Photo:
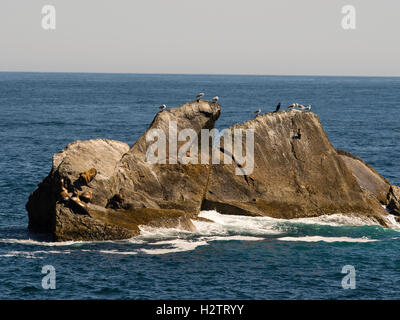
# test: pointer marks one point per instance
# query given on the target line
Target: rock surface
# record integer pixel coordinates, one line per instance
(166, 186)
(369, 180)
(44, 207)
(393, 200)
(294, 175)
(105, 190)
(125, 190)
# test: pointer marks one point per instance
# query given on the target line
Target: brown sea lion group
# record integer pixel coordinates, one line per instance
(74, 197)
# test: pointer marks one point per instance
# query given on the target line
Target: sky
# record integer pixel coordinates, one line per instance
(273, 37)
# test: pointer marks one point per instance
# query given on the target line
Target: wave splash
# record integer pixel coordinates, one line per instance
(215, 227)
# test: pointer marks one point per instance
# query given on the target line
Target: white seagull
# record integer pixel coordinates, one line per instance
(215, 99)
(301, 107)
(199, 96)
(257, 112)
(308, 107)
(162, 107)
(292, 106)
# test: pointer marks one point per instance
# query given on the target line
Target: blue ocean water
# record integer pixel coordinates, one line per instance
(233, 258)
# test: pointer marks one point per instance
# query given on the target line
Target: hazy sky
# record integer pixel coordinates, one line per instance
(302, 37)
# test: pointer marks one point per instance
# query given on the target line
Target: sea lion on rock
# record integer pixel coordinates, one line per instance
(86, 177)
(115, 202)
(64, 192)
(77, 203)
(86, 196)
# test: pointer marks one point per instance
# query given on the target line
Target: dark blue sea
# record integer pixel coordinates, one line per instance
(233, 258)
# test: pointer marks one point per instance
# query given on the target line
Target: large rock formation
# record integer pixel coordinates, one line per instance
(296, 173)
(124, 189)
(367, 177)
(393, 200)
(103, 189)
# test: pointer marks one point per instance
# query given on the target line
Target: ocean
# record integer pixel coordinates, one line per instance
(235, 257)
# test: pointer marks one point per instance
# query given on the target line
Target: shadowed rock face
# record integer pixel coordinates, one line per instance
(393, 200)
(294, 175)
(44, 207)
(126, 190)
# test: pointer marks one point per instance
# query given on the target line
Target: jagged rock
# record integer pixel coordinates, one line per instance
(297, 173)
(293, 176)
(126, 189)
(166, 186)
(367, 177)
(44, 203)
(393, 200)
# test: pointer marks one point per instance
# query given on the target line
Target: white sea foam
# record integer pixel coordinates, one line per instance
(226, 224)
(219, 228)
(177, 245)
(326, 239)
(43, 243)
(118, 252)
(391, 220)
(233, 238)
(337, 220)
(151, 233)
(32, 254)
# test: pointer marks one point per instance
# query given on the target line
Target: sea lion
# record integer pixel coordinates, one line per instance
(86, 177)
(77, 204)
(64, 192)
(116, 201)
(86, 196)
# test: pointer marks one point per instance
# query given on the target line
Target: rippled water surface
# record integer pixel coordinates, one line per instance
(232, 258)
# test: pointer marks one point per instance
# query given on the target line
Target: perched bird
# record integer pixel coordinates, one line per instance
(278, 107)
(257, 112)
(215, 99)
(162, 107)
(292, 106)
(308, 107)
(301, 107)
(199, 96)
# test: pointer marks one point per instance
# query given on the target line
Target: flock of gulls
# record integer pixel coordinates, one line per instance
(258, 111)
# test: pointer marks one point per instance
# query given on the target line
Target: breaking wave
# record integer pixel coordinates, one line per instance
(214, 227)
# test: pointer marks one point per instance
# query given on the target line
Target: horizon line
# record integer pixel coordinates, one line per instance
(210, 74)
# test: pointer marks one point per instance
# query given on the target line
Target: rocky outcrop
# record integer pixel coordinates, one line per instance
(372, 182)
(297, 173)
(367, 177)
(393, 200)
(102, 189)
(142, 184)
(105, 190)
(45, 205)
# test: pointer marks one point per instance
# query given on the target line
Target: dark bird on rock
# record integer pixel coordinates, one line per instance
(199, 96)
(278, 107)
